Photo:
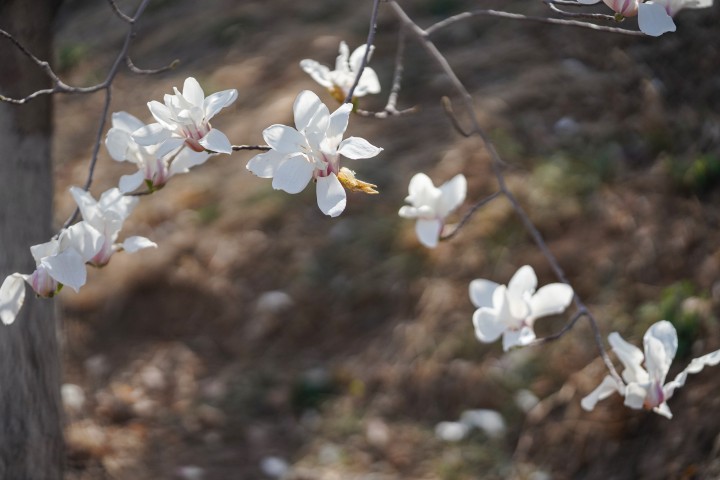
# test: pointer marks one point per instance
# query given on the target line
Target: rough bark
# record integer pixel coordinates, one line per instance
(31, 445)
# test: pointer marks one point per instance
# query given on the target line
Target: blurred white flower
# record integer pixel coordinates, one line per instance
(511, 310)
(153, 169)
(107, 217)
(430, 205)
(311, 151)
(646, 387)
(340, 81)
(185, 119)
(61, 261)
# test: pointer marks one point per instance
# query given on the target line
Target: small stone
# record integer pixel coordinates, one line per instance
(274, 302)
(377, 433)
(274, 467)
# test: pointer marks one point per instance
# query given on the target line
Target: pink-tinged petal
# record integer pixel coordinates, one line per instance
(452, 194)
(630, 356)
(518, 338)
(68, 268)
(187, 159)
(481, 292)
(589, 2)
(265, 164)
(12, 297)
(654, 20)
(284, 139)
(162, 114)
(217, 101)
(523, 282)
(356, 147)
(603, 391)
(216, 141)
(319, 73)
(126, 122)
(635, 395)
(293, 174)
(551, 299)
(306, 107)
(129, 183)
(337, 124)
(660, 343)
(488, 327)
(193, 92)
(331, 196)
(133, 244)
(428, 231)
(118, 142)
(151, 134)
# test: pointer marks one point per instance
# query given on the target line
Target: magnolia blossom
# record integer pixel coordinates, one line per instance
(646, 387)
(340, 81)
(311, 151)
(654, 17)
(511, 310)
(430, 205)
(107, 217)
(185, 119)
(61, 261)
(153, 169)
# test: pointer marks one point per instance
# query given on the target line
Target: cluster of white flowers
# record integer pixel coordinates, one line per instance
(655, 17)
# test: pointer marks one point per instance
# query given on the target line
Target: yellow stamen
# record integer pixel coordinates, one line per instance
(348, 180)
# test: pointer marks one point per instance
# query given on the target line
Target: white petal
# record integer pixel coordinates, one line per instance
(589, 2)
(162, 114)
(265, 164)
(319, 73)
(216, 141)
(133, 244)
(660, 343)
(356, 147)
(86, 203)
(68, 268)
(168, 146)
(663, 410)
(217, 101)
(357, 56)
(481, 292)
(428, 231)
(43, 250)
(284, 139)
(12, 297)
(117, 142)
(488, 327)
(331, 196)
(293, 174)
(630, 356)
(128, 183)
(193, 92)
(550, 299)
(306, 107)
(126, 122)
(407, 211)
(604, 390)
(695, 366)
(151, 134)
(187, 159)
(342, 60)
(453, 194)
(337, 124)
(368, 83)
(635, 395)
(518, 338)
(523, 282)
(654, 20)
(83, 238)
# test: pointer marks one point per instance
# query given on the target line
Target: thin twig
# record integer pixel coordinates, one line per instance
(119, 12)
(468, 215)
(590, 16)
(496, 163)
(142, 71)
(264, 148)
(447, 106)
(368, 49)
(516, 16)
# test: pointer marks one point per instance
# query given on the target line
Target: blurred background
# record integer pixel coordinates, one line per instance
(265, 340)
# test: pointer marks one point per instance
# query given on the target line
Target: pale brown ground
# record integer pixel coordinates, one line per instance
(182, 366)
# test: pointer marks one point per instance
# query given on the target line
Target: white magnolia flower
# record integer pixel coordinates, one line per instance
(153, 169)
(431, 205)
(185, 119)
(311, 151)
(654, 17)
(646, 387)
(61, 261)
(340, 81)
(511, 310)
(107, 217)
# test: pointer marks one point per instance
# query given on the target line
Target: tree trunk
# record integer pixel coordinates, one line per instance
(31, 445)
